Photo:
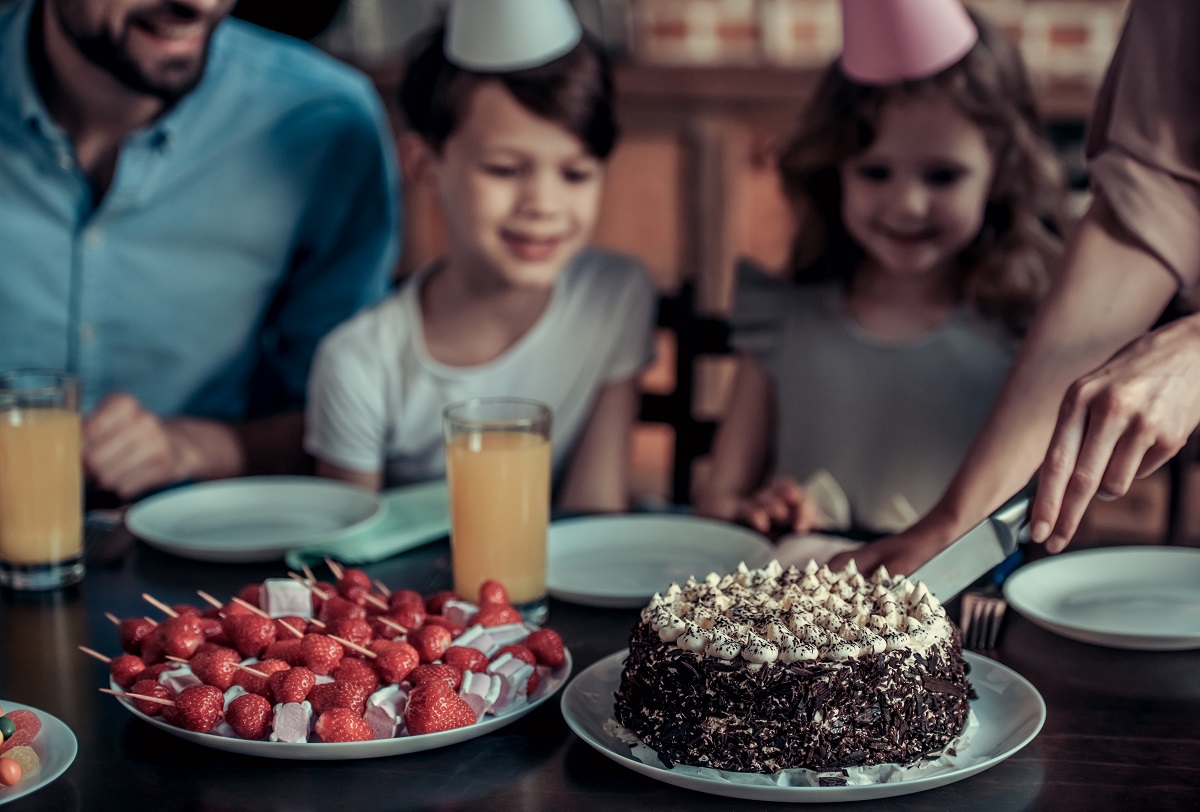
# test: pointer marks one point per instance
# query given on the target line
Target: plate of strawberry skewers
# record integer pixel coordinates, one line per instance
(297, 669)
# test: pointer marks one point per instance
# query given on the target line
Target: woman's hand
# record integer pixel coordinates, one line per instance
(1120, 422)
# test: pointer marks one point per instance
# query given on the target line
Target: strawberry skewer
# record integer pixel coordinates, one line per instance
(125, 668)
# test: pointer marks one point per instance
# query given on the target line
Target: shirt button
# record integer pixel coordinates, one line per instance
(93, 236)
(87, 333)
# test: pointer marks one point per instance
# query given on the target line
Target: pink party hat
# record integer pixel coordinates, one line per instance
(507, 35)
(888, 41)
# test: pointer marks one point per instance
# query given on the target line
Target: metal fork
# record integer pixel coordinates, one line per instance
(982, 615)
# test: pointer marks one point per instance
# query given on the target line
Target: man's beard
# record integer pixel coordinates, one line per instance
(168, 80)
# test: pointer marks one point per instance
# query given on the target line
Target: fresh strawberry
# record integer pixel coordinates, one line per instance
(126, 669)
(534, 680)
(435, 602)
(352, 669)
(250, 716)
(396, 662)
(320, 653)
(325, 590)
(286, 650)
(519, 652)
(133, 632)
(250, 594)
(352, 695)
(547, 647)
(385, 626)
(214, 631)
(410, 617)
(449, 674)
(291, 685)
(337, 606)
(466, 658)
(180, 636)
(282, 632)
(355, 629)
(352, 580)
(250, 634)
(152, 649)
(186, 610)
(343, 725)
(149, 687)
(27, 723)
(380, 645)
(254, 683)
(493, 614)
(197, 708)
(155, 671)
(433, 707)
(406, 598)
(493, 592)
(232, 608)
(430, 642)
(216, 668)
(455, 629)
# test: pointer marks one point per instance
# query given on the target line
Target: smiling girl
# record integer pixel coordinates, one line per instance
(922, 251)
(518, 305)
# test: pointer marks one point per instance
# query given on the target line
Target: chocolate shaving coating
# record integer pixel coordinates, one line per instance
(899, 706)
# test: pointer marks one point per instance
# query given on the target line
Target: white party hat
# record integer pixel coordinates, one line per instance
(494, 36)
(888, 41)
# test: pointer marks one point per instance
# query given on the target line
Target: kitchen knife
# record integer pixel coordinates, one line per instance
(970, 557)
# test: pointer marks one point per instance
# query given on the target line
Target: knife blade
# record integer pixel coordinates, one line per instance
(979, 550)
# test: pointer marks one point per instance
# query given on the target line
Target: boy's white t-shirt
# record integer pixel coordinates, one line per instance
(376, 396)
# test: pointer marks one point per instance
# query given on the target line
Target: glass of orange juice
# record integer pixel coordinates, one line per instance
(41, 480)
(498, 472)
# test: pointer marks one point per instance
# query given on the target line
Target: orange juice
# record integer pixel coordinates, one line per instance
(41, 493)
(499, 508)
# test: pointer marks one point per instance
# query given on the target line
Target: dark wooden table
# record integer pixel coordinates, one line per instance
(1122, 731)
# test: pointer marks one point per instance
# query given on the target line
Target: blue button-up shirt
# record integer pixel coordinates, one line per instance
(239, 228)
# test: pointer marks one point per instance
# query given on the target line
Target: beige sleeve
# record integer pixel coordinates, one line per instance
(1143, 143)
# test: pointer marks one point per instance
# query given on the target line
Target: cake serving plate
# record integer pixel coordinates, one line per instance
(1010, 712)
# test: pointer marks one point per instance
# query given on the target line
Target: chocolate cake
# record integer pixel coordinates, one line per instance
(765, 670)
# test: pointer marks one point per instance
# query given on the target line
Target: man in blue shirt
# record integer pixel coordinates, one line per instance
(188, 204)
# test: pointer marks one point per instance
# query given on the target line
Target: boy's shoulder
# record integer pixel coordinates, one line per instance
(602, 269)
(367, 334)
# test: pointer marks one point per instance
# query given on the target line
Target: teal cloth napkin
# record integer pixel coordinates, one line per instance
(413, 515)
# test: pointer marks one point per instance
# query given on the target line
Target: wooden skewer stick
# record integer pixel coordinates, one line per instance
(174, 659)
(116, 621)
(250, 607)
(383, 590)
(96, 654)
(127, 695)
(376, 601)
(334, 567)
(391, 624)
(308, 573)
(250, 670)
(354, 646)
(155, 602)
(209, 599)
(290, 627)
(311, 587)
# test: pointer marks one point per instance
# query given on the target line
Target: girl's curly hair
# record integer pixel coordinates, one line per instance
(1006, 269)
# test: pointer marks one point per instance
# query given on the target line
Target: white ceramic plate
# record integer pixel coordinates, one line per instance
(337, 751)
(252, 518)
(1123, 597)
(1009, 709)
(55, 745)
(621, 561)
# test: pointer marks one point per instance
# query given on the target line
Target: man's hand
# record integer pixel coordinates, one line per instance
(128, 450)
(1120, 422)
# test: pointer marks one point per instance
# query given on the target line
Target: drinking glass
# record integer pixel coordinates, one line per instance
(498, 471)
(41, 488)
